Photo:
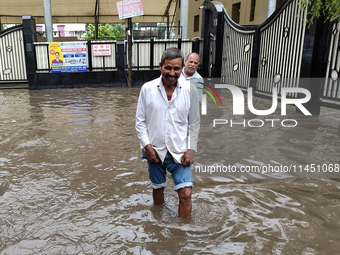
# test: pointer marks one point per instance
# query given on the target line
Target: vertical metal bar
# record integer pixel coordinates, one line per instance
(303, 33)
(255, 58)
(152, 48)
(89, 50)
(9, 64)
(286, 38)
(168, 25)
(337, 67)
(129, 20)
(22, 55)
(330, 54)
(96, 18)
(1, 59)
(237, 51)
(16, 56)
(138, 52)
(48, 57)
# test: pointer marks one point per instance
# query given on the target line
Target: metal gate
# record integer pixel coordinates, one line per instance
(12, 56)
(331, 90)
(270, 52)
(281, 52)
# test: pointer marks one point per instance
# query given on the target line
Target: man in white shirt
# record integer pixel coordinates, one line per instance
(190, 73)
(167, 124)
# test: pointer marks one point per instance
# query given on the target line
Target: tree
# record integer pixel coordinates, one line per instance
(106, 32)
(329, 8)
(119, 31)
(5, 26)
(161, 30)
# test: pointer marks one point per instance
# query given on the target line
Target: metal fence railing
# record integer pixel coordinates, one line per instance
(105, 63)
(102, 63)
(146, 54)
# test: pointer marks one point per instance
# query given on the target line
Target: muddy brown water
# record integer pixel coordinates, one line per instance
(72, 181)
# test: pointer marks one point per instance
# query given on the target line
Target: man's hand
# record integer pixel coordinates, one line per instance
(188, 158)
(151, 154)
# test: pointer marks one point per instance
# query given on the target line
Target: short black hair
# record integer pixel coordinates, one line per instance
(172, 53)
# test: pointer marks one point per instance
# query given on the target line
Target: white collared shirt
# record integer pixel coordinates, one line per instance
(168, 125)
(197, 79)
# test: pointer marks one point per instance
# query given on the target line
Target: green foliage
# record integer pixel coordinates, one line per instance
(161, 30)
(4, 26)
(329, 8)
(106, 32)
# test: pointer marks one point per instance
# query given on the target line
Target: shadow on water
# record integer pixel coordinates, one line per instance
(72, 181)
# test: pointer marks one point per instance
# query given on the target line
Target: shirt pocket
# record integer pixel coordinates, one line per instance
(181, 115)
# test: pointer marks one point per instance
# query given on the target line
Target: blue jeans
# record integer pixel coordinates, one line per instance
(180, 174)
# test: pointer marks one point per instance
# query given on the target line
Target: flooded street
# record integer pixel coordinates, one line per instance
(72, 181)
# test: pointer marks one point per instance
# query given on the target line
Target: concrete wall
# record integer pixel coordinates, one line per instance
(192, 12)
(261, 9)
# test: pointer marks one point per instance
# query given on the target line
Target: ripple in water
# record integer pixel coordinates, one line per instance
(72, 182)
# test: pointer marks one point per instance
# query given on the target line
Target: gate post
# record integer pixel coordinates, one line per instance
(219, 44)
(315, 58)
(196, 46)
(121, 60)
(255, 60)
(89, 48)
(30, 36)
(206, 16)
(212, 34)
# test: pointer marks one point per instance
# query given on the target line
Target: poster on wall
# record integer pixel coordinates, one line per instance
(68, 57)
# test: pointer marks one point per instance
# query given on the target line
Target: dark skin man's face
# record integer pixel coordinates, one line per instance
(171, 71)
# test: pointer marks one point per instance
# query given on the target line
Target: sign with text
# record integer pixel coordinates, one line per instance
(68, 57)
(101, 50)
(129, 8)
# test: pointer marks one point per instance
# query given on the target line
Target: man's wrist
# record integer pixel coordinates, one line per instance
(148, 147)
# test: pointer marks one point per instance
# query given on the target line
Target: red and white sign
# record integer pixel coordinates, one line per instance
(101, 50)
(129, 8)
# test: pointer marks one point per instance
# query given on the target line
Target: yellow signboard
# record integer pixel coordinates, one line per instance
(56, 55)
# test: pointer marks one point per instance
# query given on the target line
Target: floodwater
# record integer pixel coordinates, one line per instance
(72, 181)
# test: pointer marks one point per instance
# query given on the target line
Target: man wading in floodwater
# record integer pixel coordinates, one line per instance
(167, 124)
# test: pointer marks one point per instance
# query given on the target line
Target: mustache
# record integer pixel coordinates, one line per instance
(171, 76)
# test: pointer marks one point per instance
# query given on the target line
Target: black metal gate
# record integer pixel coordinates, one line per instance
(281, 52)
(331, 89)
(270, 51)
(12, 56)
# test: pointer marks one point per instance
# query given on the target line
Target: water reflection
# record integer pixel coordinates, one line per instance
(72, 182)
